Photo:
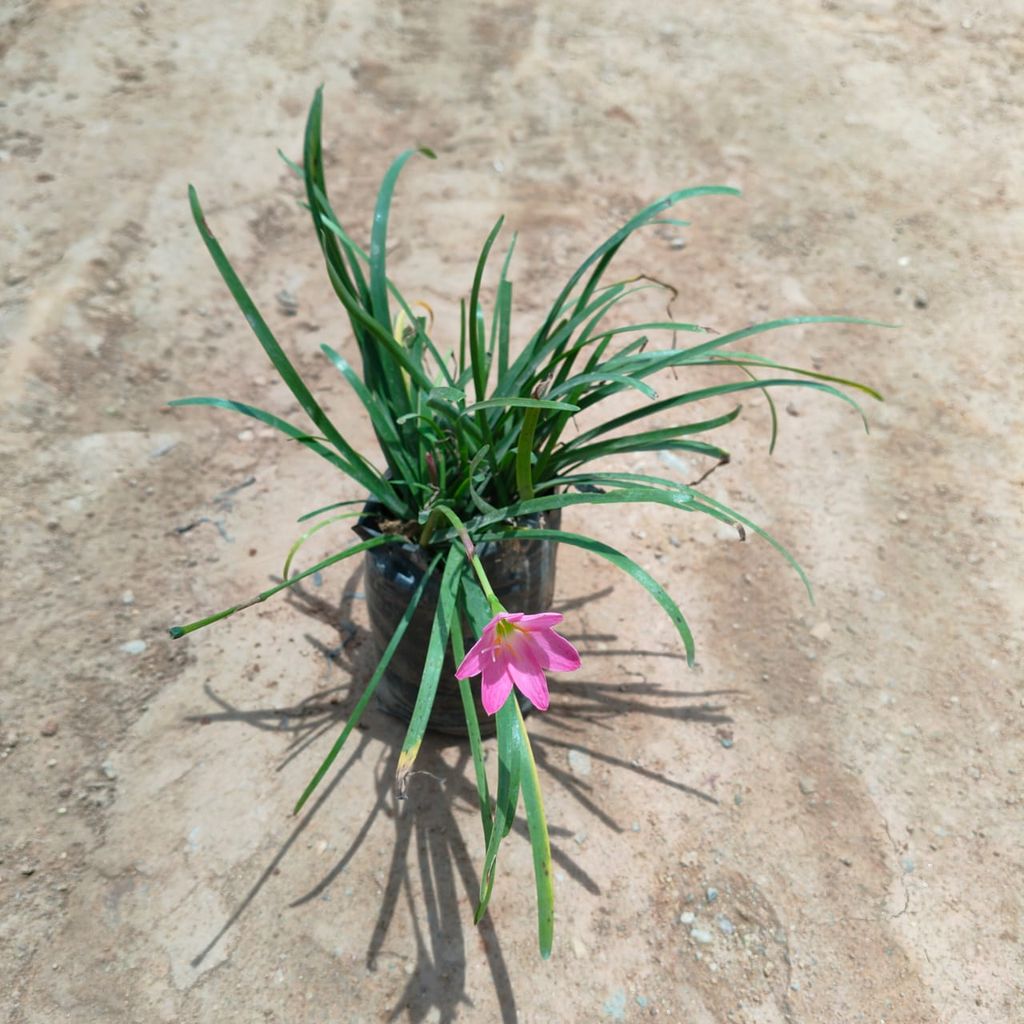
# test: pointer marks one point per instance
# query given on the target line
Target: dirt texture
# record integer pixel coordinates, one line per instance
(821, 823)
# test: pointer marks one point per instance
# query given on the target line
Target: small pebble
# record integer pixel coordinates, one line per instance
(702, 936)
(127, 597)
(711, 895)
(108, 770)
(687, 917)
(636, 826)
(807, 786)
(49, 728)
(27, 869)
(725, 925)
(615, 1005)
(908, 864)
(245, 435)
(579, 762)
(726, 742)
(902, 517)
(287, 302)
(134, 647)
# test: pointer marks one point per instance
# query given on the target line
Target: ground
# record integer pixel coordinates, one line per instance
(820, 823)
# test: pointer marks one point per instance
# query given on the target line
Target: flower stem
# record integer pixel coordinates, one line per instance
(524, 471)
(460, 528)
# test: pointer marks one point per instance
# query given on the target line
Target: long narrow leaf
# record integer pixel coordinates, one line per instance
(618, 559)
(431, 667)
(281, 362)
(615, 240)
(379, 236)
(511, 402)
(294, 549)
(365, 475)
(354, 250)
(472, 731)
(373, 542)
(380, 416)
(510, 742)
(371, 686)
(539, 841)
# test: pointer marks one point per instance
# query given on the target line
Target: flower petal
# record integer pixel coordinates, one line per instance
(476, 657)
(554, 652)
(479, 654)
(542, 620)
(531, 681)
(495, 685)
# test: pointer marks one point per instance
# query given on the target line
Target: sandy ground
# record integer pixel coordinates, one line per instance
(846, 777)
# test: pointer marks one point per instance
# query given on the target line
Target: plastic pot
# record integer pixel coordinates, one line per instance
(522, 573)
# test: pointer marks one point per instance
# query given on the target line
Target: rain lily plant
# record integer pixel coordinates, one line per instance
(478, 435)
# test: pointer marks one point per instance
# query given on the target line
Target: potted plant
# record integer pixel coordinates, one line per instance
(482, 449)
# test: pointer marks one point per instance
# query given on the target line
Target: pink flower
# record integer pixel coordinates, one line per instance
(515, 649)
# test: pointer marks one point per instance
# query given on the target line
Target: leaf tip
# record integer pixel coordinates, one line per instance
(176, 632)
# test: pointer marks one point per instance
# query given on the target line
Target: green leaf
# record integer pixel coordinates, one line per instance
(361, 470)
(663, 359)
(431, 667)
(293, 551)
(371, 686)
(330, 508)
(476, 340)
(524, 454)
(509, 767)
(354, 250)
(563, 499)
(749, 359)
(539, 841)
(472, 729)
(512, 402)
(374, 542)
(383, 422)
(613, 243)
(582, 379)
(621, 561)
(762, 533)
(652, 440)
(368, 478)
(379, 237)
(446, 394)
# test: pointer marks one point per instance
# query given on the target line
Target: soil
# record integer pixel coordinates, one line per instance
(821, 823)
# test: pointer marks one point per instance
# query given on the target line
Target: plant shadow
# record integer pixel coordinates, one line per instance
(431, 870)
